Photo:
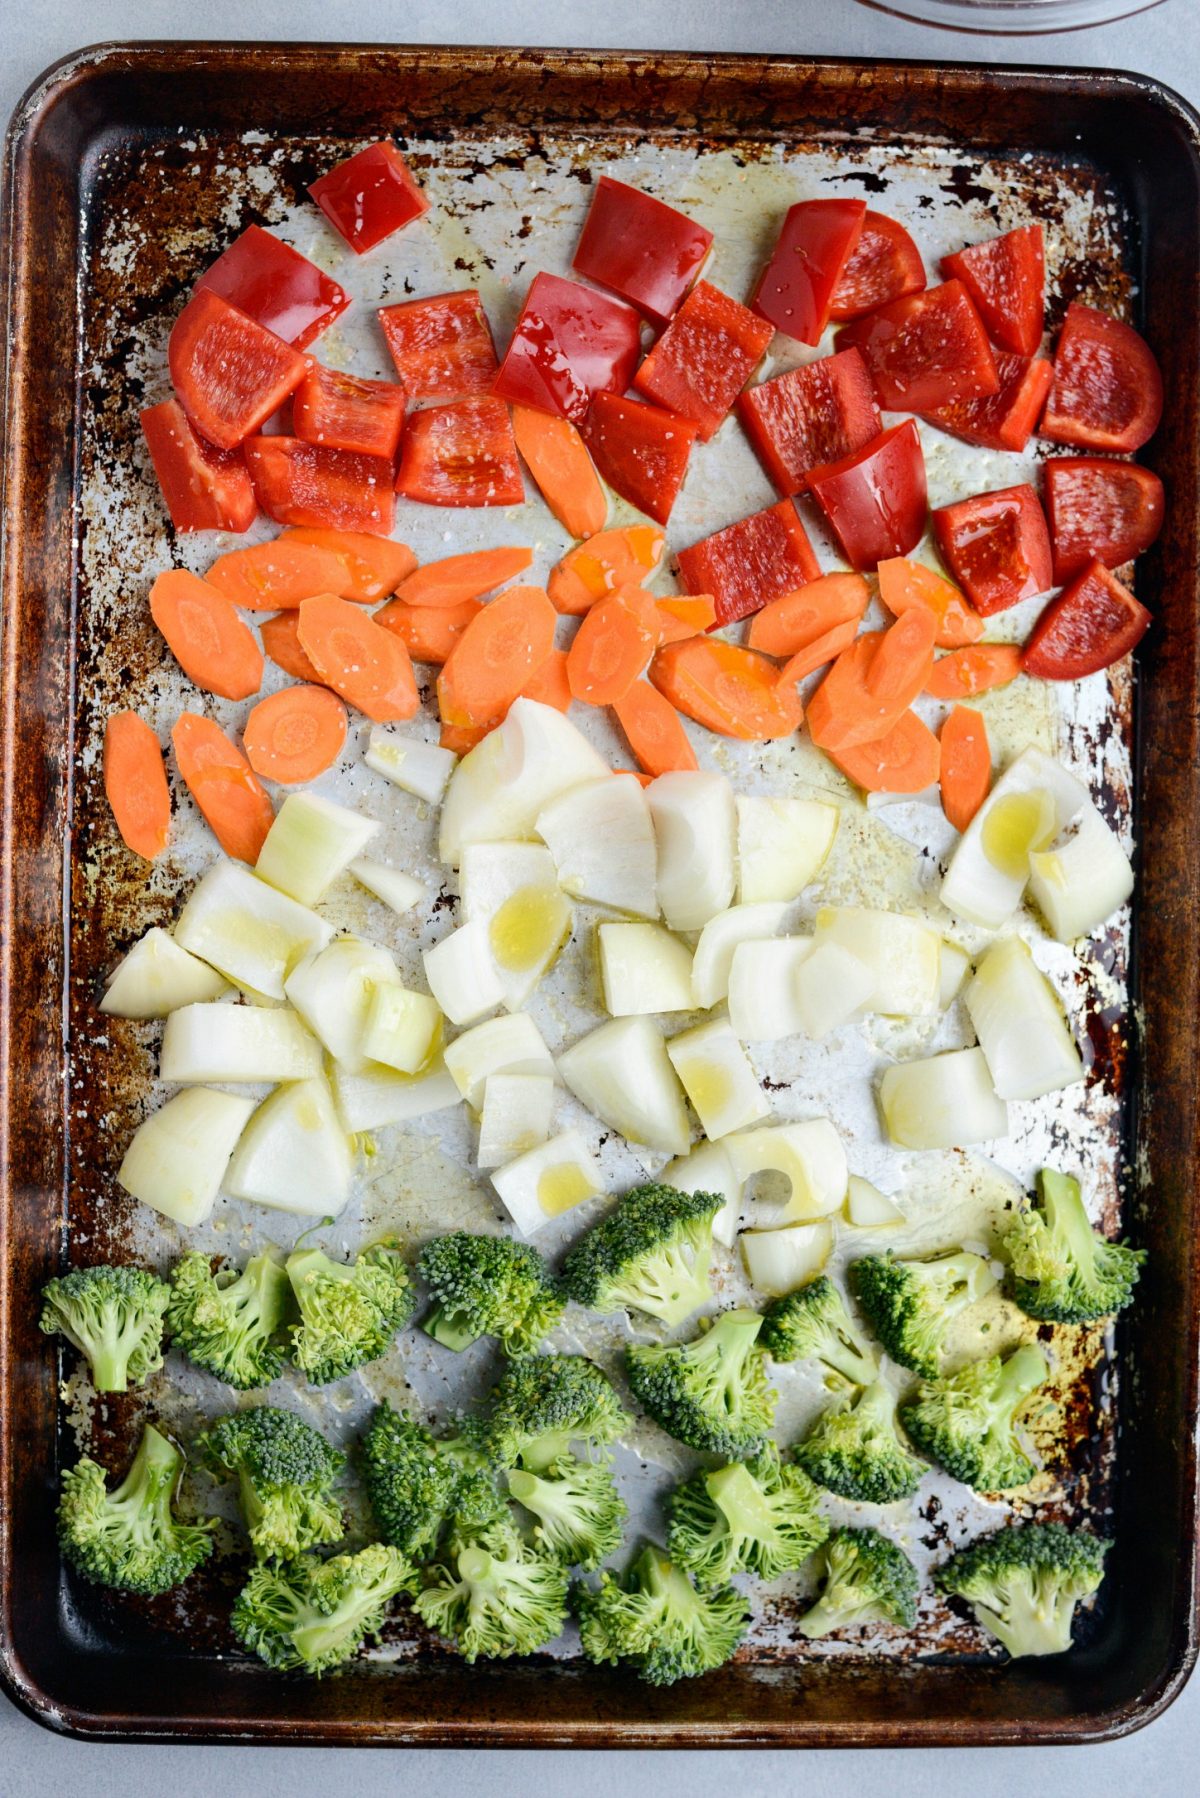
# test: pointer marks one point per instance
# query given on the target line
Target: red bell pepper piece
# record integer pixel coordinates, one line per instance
(1100, 510)
(750, 562)
(641, 451)
(327, 489)
(1093, 623)
(206, 489)
(810, 416)
(442, 346)
(1006, 419)
(704, 358)
(997, 547)
(1107, 392)
(925, 350)
(1006, 278)
(276, 286)
(884, 264)
(461, 454)
(795, 290)
(347, 413)
(875, 500)
(230, 373)
(645, 251)
(369, 196)
(569, 343)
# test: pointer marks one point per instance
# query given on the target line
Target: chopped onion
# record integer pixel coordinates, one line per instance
(1018, 1018)
(1032, 803)
(868, 1208)
(311, 842)
(945, 1102)
(718, 1078)
(778, 1261)
(954, 964)
(622, 1073)
(294, 1154)
(1082, 879)
(831, 985)
(403, 1030)
(333, 994)
(902, 953)
(515, 1117)
(236, 1042)
(643, 969)
(695, 828)
(508, 1045)
(718, 940)
(763, 1002)
(462, 974)
(602, 841)
(252, 934)
(782, 845)
(709, 1169)
(370, 1100)
(422, 769)
(177, 1159)
(547, 1181)
(513, 889)
(809, 1155)
(157, 977)
(497, 791)
(398, 891)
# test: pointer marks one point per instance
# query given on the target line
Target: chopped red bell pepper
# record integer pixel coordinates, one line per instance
(369, 196)
(327, 489)
(569, 343)
(442, 346)
(875, 500)
(645, 251)
(810, 416)
(229, 373)
(1093, 623)
(884, 264)
(206, 489)
(347, 413)
(997, 547)
(276, 286)
(1107, 392)
(1006, 419)
(1100, 510)
(461, 454)
(750, 562)
(795, 290)
(1006, 278)
(641, 451)
(704, 358)
(925, 350)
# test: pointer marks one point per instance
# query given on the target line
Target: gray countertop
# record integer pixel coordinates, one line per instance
(1163, 43)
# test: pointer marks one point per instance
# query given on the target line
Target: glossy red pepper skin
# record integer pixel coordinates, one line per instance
(569, 344)
(640, 248)
(462, 453)
(641, 451)
(1107, 392)
(809, 416)
(997, 547)
(205, 489)
(326, 489)
(369, 196)
(441, 346)
(704, 358)
(1006, 278)
(1100, 510)
(925, 350)
(884, 264)
(229, 373)
(1006, 419)
(345, 412)
(795, 290)
(1092, 624)
(875, 501)
(750, 562)
(276, 286)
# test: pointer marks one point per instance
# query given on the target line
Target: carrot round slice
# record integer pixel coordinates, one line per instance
(212, 645)
(550, 685)
(266, 577)
(496, 657)
(794, 620)
(823, 649)
(366, 664)
(224, 786)
(625, 557)
(295, 734)
(872, 683)
(904, 584)
(459, 578)
(135, 781)
(966, 771)
(965, 672)
(429, 633)
(654, 730)
(612, 646)
(906, 759)
(281, 640)
(559, 462)
(733, 691)
(372, 567)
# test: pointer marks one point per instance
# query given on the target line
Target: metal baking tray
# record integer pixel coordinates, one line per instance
(126, 168)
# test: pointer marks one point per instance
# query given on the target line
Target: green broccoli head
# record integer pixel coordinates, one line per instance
(657, 1621)
(854, 1450)
(230, 1323)
(131, 1538)
(911, 1304)
(114, 1316)
(1024, 1582)
(711, 1393)
(495, 1596)
(967, 1421)
(651, 1253)
(748, 1517)
(865, 1578)
(813, 1324)
(308, 1615)
(419, 1484)
(488, 1286)
(1060, 1270)
(285, 1472)
(579, 1511)
(543, 1403)
(348, 1314)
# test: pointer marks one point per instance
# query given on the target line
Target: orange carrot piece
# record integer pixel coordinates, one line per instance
(367, 665)
(685, 615)
(281, 640)
(459, 578)
(733, 691)
(224, 786)
(654, 730)
(135, 781)
(904, 584)
(267, 577)
(462, 738)
(496, 657)
(966, 765)
(550, 685)
(823, 649)
(795, 620)
(558, 460)
(372, 567)
(295, 734)
(906, 759)
(612, 646)
(625, 557)
(429, 633)
(965, 672)
(212, 645)
(872, 683)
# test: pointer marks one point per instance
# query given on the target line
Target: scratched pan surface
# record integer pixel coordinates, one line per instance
(508, 149)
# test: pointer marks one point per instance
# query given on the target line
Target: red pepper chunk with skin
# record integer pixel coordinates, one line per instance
(997, 547)
(795, 290)
(704, 358)
(884, 264)
(347, 413)
(1006, 278)
(1092, 624)
(442, 346)
(640, 248)
(875, 501)
(1006, 419)
(1101, 510)
(229, 373)
(205, 488)
(1107, 392)
(569, 344)
(306, 484)
(925, 350)
(641, 451)
(276, 286)
(461, 454)
(369, 196)
(810, 416)
(750, 562)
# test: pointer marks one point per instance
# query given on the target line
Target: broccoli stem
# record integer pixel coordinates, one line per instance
(149, 1486)
(1021, 1374)
(110, 1352)
(740, 1499)
(1033, 1622)
(1063, 1207)
(450, 1328)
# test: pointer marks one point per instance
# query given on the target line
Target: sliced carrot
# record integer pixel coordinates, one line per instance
(429, 633)
(558, 460)
(872, 683)
(639, 774)
(654, 730)
(734, 691)
(966, 765)
(965, 672)
(212, 645)
(224, 786)
(612, 646)
(372, 567)
(496, 657)
(462, 738)
(823, 649)
(295, 734)
(135, 781)
(904, 584)
(684, 615)
(906, 759)
(619, 558)
(367, 665)
(281, 640)
(550, 685)
(795, 620)
(267, 577)
(460, 578)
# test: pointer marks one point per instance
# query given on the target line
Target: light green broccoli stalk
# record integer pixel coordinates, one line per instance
(229, 1323)
(579, 1511)
(348, 1314)
(854, 1450)
(813, 1324)
(657, 1621)
(495, 1596)
(308, 1616)
(1060, 1270)
(865, 1578)
(651, 1253)
(967, 1421)
(488, 1286)
(911, 1304)
(285, 1472)
(1024, 1583)
(754, 1516)
(711, 1393)
(420, 1485)
(130, 1538)
(114, 1316)
(544, 1403)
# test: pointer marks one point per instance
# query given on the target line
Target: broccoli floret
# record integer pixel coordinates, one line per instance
(1023, 1583)
(656, 1620)
(348, 1314)
(967, 1420)
(711, 1393)
(543, 1403)
(578, 1509)
(309, 1615)
(230, 1323)
(488, 1286)
(913, 1303)
(285, 1471)
(748, 1517)
(1060, 1270)
(495, 1596)
(114, 1316)
(854, 1450)
(130, 1538)
(865, 1578)
(418, 1484)
(651, 1254)
(813, 1324)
